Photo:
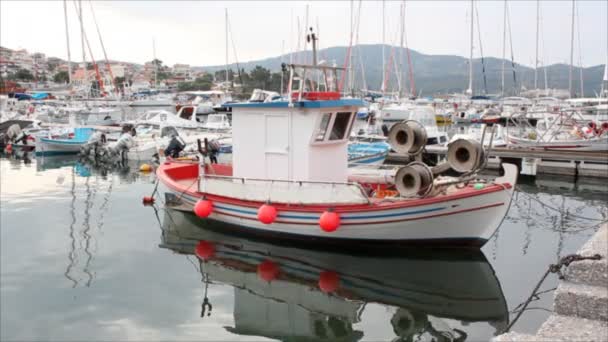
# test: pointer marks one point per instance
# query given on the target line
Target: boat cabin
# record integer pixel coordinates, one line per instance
(303, 138)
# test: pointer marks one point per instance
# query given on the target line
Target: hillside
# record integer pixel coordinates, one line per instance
(441, 73)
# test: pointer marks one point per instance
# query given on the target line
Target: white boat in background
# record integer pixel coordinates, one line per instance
(161, 118)
(206, 101)
(424, 114)
(159, 100)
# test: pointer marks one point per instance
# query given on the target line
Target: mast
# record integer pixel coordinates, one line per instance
(67, 39)
(383, 42)
(402, 29)
(571, 53)
(105, 55)
(95, 66)
(84, 60)
(536, 58)
(155, 63)
(409, 58)
(226, 11)
(350, 62)
(580, 57)
(470, 89)
(504, 47)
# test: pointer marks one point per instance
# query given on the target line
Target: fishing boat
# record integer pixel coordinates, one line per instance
(289, 177)
(65, 143)
(287, 291)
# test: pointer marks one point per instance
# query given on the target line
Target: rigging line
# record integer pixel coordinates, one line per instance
(364, 81)
(483, 64)
(543, 204)
(97, 74)
(236, 60)
(103, 48)
(410, 64)
(511, 46)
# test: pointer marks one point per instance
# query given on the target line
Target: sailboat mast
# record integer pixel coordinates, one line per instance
(470, 89)
(155, 63)
(84, 60)
(504, 46)
(402, 27)
(67, 39)
(226, 11)
(571, 52)
(536, 58)
(383, 42)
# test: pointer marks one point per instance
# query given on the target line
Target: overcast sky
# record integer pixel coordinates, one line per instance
(192, 32)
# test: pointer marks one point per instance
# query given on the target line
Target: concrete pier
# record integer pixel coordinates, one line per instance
(581, 300)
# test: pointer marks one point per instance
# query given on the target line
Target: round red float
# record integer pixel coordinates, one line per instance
(148, 200)
(9, 148)
(329, 281)
(204, 250)
(203, 208)
(329, 221)
(268, 270)
(267, 214)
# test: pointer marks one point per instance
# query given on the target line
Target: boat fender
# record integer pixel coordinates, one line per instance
(148, 200)
(329, 281)
(329, 221)
(268, 270)
(204, 250)
(145, 168)
(8, 148)
(465, 155)
(414, 179)
(267, 213)
(407, 137)
(203, 208)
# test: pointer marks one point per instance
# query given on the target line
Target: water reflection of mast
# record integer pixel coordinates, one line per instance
(87, 237)
(73, 244)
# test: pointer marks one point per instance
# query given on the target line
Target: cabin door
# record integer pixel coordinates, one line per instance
(277, 146)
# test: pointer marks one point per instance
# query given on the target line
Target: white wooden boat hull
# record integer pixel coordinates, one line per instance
(471, 220)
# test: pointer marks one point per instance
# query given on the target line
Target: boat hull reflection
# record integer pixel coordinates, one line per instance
(289, 282)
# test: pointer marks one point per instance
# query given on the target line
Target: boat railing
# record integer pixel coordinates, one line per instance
(283, 191)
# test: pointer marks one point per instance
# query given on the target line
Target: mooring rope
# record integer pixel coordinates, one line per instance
(553, 268)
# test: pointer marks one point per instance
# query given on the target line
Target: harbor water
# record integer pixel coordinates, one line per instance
(83, 259)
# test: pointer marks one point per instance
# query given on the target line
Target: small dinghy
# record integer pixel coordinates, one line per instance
(63, 144)
(290, 177)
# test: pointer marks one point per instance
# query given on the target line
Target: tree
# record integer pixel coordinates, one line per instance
(260, 77)
(24, 75)
(61, 77)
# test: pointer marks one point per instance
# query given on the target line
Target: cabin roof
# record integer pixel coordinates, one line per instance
(299, 104)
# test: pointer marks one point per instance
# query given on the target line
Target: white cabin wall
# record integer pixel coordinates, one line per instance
(248, 138)
(324, 165)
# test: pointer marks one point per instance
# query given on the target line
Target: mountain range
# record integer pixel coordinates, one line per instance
(439, 74)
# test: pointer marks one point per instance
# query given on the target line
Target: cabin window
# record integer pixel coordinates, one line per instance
(340, 127)
(322, 129)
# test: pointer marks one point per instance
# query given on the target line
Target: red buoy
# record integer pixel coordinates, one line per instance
(9, 148)
(267, 214)
(268, 270)
(204, 250)
(203, 208)
(329, 221)
(329, 281)
(148, 200)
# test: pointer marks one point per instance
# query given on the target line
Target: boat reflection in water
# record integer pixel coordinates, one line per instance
(286, 292)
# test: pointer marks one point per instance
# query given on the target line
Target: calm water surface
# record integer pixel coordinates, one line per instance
(82, 259)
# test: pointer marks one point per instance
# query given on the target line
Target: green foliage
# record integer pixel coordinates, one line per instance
(200, 83)
(61, 77)
(24, 75)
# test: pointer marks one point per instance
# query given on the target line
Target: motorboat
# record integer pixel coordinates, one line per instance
(289, 177)
(69, 143)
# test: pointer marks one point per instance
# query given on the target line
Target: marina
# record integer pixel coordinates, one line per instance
(366, 192)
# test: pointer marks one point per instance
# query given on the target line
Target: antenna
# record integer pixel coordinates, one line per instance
(312, 37)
